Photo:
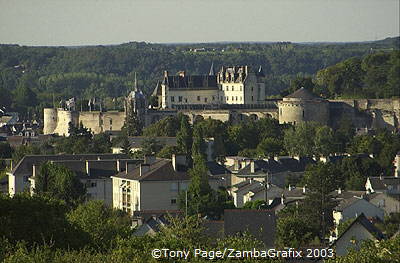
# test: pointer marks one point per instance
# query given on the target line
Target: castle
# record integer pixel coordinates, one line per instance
(233, 94)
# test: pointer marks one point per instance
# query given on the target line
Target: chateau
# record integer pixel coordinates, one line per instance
(231, 85)
(232, 94)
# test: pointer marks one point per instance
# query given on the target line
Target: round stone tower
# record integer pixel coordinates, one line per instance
(49, 120)
(303, 106)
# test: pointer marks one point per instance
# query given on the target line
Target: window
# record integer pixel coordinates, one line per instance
(236, 98)
(213, 98)
(241, 98)
(252, 98)
(233, 98)
(180, 98)
(173, 201)
(205, 99)
(172, 98)
(241, 88)
(303, 113)
(110, 122)
(185, 99)
(198, 98)
(227, 98)
(233, 88)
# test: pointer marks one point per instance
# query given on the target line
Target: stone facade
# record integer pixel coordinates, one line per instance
(231, 85)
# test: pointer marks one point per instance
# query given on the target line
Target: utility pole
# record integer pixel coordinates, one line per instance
(266, 187)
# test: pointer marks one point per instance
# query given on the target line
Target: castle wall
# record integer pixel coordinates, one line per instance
(99, 122)
(296, 111)
(65, 117)
(49, 120)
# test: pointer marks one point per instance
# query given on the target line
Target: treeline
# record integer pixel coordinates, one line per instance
(34, 77)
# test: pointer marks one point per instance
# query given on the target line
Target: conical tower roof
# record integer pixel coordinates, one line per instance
(302, 93)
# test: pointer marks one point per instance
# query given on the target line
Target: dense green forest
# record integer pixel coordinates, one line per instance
(34, 77)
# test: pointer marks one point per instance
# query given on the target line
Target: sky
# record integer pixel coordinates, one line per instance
(103, 22)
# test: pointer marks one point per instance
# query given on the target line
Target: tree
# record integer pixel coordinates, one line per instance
(321, 179)
(324, 141)
(299, 141)
(269, 147)
(59, 182)
(5, 150)
(126, 146)
(200, 196)
(294, 231)
(151, 146)
(184, 139)
(199, 145)
(132, 125)
(101, 223)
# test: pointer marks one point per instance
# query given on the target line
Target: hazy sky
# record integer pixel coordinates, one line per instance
(94, 22)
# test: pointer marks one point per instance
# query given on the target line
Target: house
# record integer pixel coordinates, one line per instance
(153, 185)
(361, 229)
(259, 223)
(355, 206)
(389, 203)
(276, 170)
(383, 184)
(93, 169)
(253, 190)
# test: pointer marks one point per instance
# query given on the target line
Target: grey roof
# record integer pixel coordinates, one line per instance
(362, 220)
(24, 166)
(160, 170)
(302, 93)
(259, 223)
(382, 183)
(347, 202)
(191, 82)
(283, 164)
(215, 168)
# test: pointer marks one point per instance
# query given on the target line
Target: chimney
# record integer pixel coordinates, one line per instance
(290, 188)
(144, 168)
(33, 170)
(129, 167)
(165, 73)
(276, 158)
(296, 158)
(149, 159)
(181, 73)
(304, 189)
(252, 166)
(371, 155)
(178, 160)
(339, 191)
(282, 199)
(88, 167)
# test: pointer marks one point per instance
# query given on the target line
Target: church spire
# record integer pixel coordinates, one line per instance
(211, 73)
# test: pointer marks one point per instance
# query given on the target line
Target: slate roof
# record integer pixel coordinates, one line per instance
(347, 202)
(283, 164)
(302, 93)
(361, 219)
(259, 223)
(191, 82)
(24, 166)
(160, 170)
(382, 183)
(215, 168)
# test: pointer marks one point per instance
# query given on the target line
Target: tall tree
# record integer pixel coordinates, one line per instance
(59, 182)
(184, 138)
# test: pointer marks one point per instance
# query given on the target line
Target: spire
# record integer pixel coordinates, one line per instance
(211, 73)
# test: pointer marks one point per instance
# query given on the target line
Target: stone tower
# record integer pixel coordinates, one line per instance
(303, 106)
(136, 102)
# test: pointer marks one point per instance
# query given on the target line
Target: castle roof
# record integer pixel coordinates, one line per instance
(302, 93)
(191, 82)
